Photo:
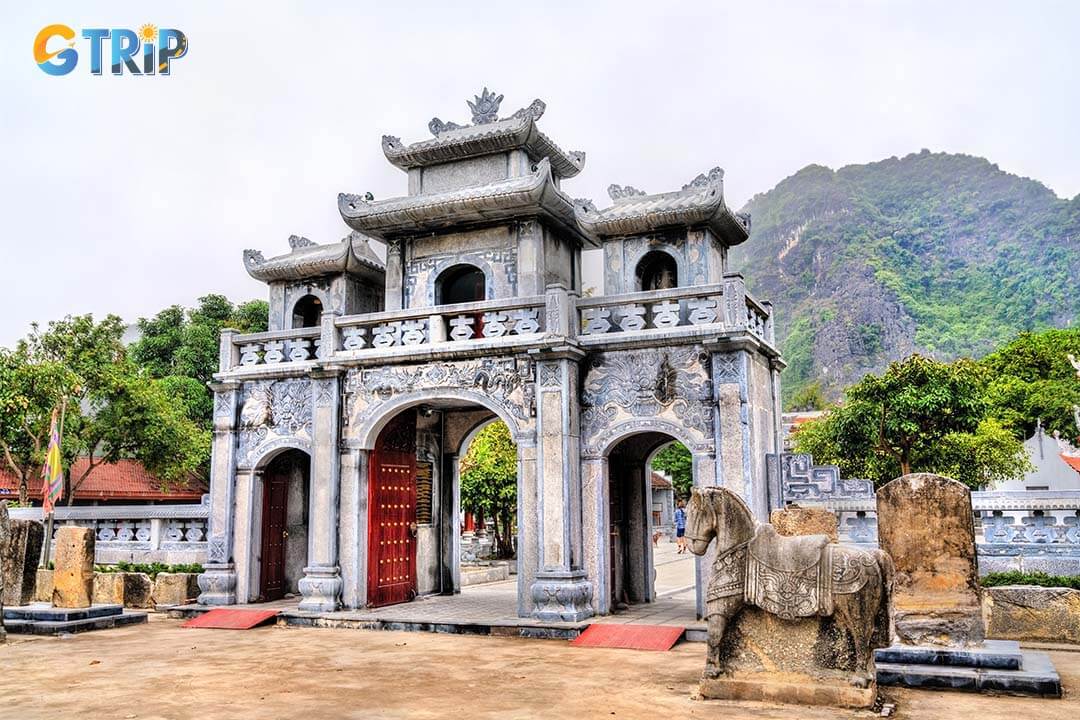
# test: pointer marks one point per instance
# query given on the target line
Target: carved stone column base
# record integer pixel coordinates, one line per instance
(562, 596)
(218, 584)
(321, 588)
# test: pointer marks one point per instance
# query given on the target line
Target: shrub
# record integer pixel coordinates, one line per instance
(1030, 578)
(151, 569)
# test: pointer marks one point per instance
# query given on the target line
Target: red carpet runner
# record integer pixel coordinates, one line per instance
(630, 637)
(230, 619)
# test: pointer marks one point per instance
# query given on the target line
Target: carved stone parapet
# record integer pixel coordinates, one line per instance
(218, 584)
(562, 596)
(321, 588)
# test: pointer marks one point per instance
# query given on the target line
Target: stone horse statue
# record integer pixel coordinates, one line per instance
(791, 577)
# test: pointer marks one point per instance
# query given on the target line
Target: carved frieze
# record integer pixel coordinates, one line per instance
(273, 412)
(506, 381)
(648, 388)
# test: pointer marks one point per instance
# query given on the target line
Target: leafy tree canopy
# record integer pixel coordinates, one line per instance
(489, 479)
(1031, 379)
(920, 415)
(675, 461)
(112, 410)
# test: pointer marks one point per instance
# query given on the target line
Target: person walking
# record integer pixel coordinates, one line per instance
(680, 527)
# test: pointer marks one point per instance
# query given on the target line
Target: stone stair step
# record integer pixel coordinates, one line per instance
(996, 654)
(1037, 678)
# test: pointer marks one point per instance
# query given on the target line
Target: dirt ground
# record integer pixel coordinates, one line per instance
(161, 670)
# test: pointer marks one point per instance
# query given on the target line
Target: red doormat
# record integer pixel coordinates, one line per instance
(631, 637)
(230, 619)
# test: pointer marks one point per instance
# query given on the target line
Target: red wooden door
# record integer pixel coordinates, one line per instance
(392, 514)
(275, 500)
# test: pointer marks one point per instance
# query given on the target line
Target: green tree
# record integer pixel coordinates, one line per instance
(29, 391)
(676, 461)
(920, 415)
(112, 409)
(489, 481)
(809, 397)
(1031, 379)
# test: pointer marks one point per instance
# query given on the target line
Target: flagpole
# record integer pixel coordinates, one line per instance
(49, 519)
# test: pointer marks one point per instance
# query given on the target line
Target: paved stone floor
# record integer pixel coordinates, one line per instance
(161, 670)
(496, 603)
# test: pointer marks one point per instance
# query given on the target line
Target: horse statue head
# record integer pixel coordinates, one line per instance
(716, 512)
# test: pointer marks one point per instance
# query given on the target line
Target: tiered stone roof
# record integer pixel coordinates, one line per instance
(488, 134)
(307, 260)
(633, 212)
(532, 194)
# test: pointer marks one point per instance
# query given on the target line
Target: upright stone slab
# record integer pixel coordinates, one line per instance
(73, 577)
(20, 561)
(5, 539)
(925, 523)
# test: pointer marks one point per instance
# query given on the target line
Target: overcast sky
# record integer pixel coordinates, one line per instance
(128, 194)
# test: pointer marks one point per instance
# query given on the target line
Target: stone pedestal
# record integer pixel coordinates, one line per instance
(73, 578)
(218, 584)
(562, 596)
(796, 520)
(19, 562)
(321, 588)
(925, 524)
(807, 661)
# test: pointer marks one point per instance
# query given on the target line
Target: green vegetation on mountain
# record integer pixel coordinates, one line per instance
(945, 255)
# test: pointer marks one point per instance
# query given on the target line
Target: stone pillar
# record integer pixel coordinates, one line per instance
(530, 260)
(561, 591)
(218, 582)
(19, 562)
(734, 429)
(353, 525)
(321, 585)
(73, 578)
(395, 273)
(247, 534)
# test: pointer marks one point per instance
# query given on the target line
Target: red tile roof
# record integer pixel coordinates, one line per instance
(1072, 461)
(122, 480)
(659, 482)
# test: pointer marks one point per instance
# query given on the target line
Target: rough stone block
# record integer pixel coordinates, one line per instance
(796, 520)
(108, 589)
(43, 591)
(175, 588)
(1028, 612)
(138, 590)
(73, 577)
(926, 525)
(19, 562)
(806, 661)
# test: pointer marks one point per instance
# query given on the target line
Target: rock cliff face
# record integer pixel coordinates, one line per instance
(941, 254)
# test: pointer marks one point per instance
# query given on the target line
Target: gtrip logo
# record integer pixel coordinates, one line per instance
(145, 52)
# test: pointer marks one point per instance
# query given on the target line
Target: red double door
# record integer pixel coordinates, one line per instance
(392, 514)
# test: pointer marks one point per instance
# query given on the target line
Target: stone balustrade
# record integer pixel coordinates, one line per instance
(504, 324)
(1028, 530)
(463, 322)
(274, 348)
(136, 533)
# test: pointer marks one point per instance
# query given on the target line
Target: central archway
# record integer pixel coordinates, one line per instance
(414, 510)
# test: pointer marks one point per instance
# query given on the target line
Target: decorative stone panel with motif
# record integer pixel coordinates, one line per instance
(273, 413)
(650, 389)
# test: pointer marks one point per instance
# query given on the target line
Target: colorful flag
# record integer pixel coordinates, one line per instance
(53, 472)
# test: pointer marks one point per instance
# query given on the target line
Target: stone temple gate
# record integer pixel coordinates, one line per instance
(337, 433)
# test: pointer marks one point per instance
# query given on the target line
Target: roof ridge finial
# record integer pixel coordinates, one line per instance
(485, 109)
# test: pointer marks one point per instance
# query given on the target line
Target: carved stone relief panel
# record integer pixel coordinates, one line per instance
(273, 413)
(648, 389)
(507, 382)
